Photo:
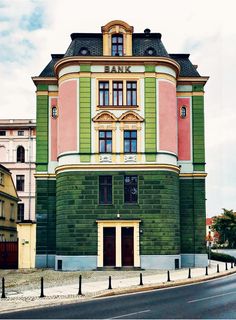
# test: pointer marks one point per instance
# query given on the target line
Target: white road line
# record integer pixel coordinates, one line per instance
(212, 297)
(129, 314)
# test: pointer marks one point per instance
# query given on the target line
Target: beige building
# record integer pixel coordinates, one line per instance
(8, 206)
(17, 153)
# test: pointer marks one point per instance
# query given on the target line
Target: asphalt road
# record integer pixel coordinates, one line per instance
(209, 300)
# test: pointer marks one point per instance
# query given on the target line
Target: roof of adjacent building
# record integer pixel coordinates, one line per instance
(91, 44)
(17, 123)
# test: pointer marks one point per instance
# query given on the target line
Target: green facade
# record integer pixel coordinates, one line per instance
(78, 209)
(198, 133)
(150, 118)
(42, 133)
(85, 118)
(192, 215)
(46, 216)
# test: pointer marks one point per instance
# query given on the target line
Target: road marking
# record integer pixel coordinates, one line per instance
(129, 314)
(212, 297)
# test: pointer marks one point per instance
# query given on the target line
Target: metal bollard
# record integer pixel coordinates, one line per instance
(234, 262)
(141, 280)
(42, 294)
(226, 266)
(109, 286)
(218, 268)
(206, 271)
(3, 289)
(80, 286)
(232, 265)
(189, 273)
(168, 276)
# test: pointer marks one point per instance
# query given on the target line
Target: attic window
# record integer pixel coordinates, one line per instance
(117, 45)
(150, 51)
(84, 51)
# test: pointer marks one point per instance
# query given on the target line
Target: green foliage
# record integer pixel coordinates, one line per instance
(221, 257)
(225, 225)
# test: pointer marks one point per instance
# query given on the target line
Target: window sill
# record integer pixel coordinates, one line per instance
(105, 205)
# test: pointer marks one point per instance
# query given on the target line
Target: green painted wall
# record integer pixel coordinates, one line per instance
(192, 215)
(85, 118)
(198, 133)
(42, 133)
(150, 118)
(46, 216)
(78, 210)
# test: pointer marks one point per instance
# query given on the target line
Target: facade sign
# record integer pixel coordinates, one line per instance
(117, 69)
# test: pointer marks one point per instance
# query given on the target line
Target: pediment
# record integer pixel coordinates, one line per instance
(105, 116)
(130, 116)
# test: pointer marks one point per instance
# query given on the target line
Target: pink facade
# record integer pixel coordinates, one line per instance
(167, 116)
(67, 133)
(53, 132)
(184, 130)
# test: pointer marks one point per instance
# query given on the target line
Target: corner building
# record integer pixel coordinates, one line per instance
(120, 172)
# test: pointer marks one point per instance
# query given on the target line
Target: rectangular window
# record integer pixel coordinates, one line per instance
(131, 93)
(12, 217)
(117, 93)
(20, 132)
(2, 213)
(2, 132)
(105, 189)
(103, 93)
(117, 45)
(131, 189)
(20, 182)
(20, 211)
(130, 141)
(1, 178)
(105, 141)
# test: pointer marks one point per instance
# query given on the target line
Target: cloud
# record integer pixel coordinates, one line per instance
(34, 21)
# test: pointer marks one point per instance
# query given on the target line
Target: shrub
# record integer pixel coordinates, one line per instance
(222, 257)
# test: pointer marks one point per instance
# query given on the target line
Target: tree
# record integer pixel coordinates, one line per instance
(225, 225)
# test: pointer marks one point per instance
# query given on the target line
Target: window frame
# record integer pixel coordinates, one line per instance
(135, 201)
(105, 139)
(2, 177)
(103, 91)
(107, 187)
(20, 133)
(183, 112)
(2, 209)
(131, 91)
(20, 212)
(130, 139)
(54, 112)
(20, 154)
(21, 182)
(118, 90)
(115, 51)
(3, 133)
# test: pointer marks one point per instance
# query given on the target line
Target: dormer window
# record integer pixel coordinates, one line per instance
(117, 45)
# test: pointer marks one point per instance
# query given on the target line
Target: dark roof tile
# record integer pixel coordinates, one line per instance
(187, 69)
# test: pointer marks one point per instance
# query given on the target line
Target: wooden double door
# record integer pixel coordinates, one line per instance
(109, 246)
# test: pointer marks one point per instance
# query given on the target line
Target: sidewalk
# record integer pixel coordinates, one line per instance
(97, 286)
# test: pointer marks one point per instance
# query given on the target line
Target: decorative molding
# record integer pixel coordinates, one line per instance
(130, 158)
(130, 116)
(115, 23)
(105, 158)
(105, 116)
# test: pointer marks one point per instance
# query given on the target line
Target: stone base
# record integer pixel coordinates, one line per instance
(194, 260)
(163, 262)
(71, 263)
(45, 261)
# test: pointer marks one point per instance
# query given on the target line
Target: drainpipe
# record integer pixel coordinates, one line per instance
(30, 171)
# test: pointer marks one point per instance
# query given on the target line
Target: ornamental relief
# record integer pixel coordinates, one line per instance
(106, 116)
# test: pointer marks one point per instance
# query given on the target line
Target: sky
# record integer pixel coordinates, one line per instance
(30, 30)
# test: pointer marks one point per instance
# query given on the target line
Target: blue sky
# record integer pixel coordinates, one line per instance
(31, 30)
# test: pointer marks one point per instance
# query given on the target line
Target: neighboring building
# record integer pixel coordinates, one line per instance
(120, 154)
(8, 206)
(17, 153)
(210, 233)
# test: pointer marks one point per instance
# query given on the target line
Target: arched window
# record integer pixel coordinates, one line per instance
(54, 112)
(20, 154)
(183, 112)
(117, 45)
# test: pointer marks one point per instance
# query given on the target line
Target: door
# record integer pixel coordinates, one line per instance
(127, 244)
(109, 247)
